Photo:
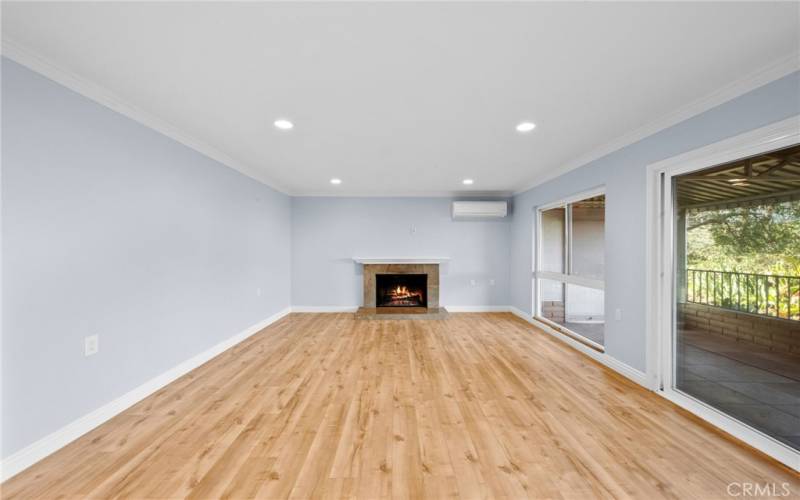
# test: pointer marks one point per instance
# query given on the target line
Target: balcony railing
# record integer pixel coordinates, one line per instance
(768, 295)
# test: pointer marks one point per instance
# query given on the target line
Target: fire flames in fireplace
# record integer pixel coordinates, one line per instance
(401, 294)
(401, 290)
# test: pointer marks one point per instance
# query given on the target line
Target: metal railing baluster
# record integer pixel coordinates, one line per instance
(748, 292)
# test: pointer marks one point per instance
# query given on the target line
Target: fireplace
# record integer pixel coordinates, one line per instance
(401, 290)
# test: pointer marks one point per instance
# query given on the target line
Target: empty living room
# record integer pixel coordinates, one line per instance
(407, 250)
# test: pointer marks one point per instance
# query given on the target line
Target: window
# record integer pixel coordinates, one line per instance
(570, 268)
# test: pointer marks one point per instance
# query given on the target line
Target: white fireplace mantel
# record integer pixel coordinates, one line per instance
(401, 260)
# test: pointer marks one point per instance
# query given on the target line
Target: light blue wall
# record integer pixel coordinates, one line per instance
(623, 173)
(110, 228)
(114, 229)
(328, 232)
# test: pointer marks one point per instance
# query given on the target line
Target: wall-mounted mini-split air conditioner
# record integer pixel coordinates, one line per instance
(479, 209)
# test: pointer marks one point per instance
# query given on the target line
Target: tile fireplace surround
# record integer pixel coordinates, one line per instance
(373, 267)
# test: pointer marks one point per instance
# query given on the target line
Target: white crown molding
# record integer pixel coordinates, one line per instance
(109, 99)
(405, 194)
(769, 73)
(51, 443)
(105, 97)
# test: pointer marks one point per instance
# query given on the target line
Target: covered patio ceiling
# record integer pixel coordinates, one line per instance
(772, 176)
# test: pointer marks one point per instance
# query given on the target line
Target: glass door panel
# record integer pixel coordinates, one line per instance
(737, 290)
(553, 244)
(587, 229)
(571, 268)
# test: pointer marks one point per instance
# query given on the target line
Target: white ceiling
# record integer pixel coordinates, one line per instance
(401, 98)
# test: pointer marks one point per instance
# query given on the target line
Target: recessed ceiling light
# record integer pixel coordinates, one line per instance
(284, 124)
(526, 127)
(336, 181)
(467, 182)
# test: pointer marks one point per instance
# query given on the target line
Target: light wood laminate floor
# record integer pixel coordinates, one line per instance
(474, 406)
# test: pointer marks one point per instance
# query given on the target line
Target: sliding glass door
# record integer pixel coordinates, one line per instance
(570, 268)
(736, 300)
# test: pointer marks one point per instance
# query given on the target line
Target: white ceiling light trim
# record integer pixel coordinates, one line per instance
(283, 124)
(107, 98)
(526, 127)
(769, 73)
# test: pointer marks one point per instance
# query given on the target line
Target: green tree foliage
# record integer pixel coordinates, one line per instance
(762, 239)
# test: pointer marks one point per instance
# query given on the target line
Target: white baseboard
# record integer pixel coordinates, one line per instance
(754, 438)
(338, 309)
(323, 309)
(618, 366)
(757, 439)
(476, 309)
(626, 370)
(32, 453)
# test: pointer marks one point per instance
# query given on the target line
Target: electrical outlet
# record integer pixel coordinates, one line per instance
(618, 314)
(91, 345)
(258, 292)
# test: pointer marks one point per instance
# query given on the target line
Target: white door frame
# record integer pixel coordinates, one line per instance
(660, 272)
